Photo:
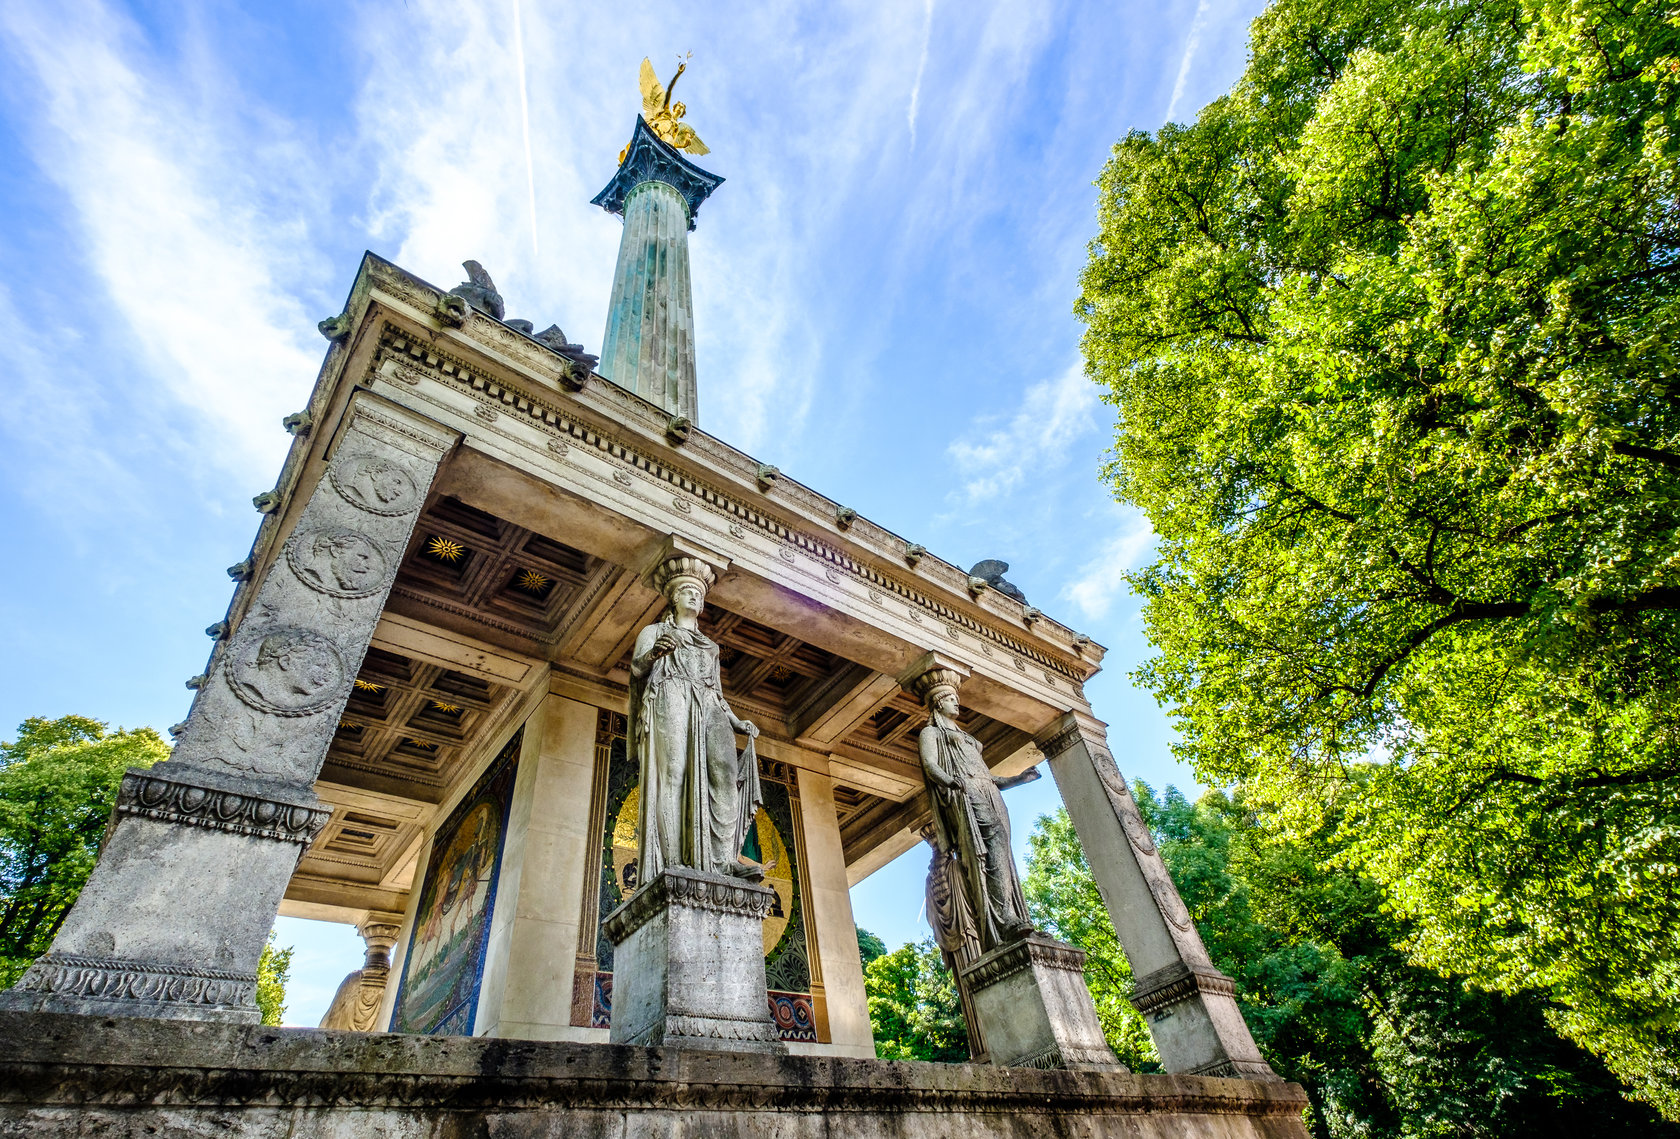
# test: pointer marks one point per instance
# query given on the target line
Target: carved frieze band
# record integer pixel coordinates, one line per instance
(1035, 949)
(151, 796)
(398, 345)
(690, 890)
(1065, 1056)
(1179, 982)
(678, 1026)
(115, 979)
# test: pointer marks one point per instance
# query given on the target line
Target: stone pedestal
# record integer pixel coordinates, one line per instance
(1034, 1008)
(688, 965)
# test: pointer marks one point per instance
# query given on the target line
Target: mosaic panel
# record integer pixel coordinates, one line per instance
(445, 960)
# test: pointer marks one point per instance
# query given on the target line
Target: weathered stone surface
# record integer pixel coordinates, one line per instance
(1188, 1003)
(688, 964)
(173, 919)
(648, 347)
(1034, 1008)
(86, 1076)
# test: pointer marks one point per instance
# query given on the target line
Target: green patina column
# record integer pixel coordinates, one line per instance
(649, 343)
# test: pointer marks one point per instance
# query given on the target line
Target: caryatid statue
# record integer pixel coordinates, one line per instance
(698, 796)
(969, 818)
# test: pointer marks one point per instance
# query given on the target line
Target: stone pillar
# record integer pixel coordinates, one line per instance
(201, 847)
(845, 1005)
(1189, 1005)
(688, 964)
(648, 346)
(527, 987)
(355, 1007)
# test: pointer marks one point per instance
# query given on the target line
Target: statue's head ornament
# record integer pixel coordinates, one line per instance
(675, 570)
(930, 684)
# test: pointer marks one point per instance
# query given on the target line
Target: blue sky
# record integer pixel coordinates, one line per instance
(883, 286)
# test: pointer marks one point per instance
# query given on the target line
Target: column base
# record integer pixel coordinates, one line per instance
(1192, 1010)
(110, 986)
(173, 919)
(1034, 1008)
(688, 965)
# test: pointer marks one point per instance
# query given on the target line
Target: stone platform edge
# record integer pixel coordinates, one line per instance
(68, 1061)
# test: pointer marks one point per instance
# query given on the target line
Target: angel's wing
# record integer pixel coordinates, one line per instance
(653, 93)
(687, 140)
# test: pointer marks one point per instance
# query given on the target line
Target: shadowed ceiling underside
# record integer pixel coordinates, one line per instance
(410, 726)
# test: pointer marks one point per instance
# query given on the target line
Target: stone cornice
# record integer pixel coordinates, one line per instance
(406, 358)
(682, 887)
(200, 799)
(82, 1062)
(1034, 949)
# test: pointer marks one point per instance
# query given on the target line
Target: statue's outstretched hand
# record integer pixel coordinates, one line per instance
(747, 728)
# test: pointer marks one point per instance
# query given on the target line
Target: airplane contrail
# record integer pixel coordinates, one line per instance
(525, 118)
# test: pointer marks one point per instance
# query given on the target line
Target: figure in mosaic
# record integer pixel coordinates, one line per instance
(969, 818)
(698, 796)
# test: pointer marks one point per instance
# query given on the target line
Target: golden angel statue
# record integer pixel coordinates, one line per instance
(663, 116)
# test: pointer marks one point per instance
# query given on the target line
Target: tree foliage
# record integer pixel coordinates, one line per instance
(1390, 333)
(274, 969)
(1385, 1049)
(869, 946)
(58, 783)
(914, 1009)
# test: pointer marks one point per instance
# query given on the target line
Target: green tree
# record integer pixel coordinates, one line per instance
(1384, 1048)
(1390, 335)
(274, 969)
(58, 783)
(914, 1010)
(869, 946)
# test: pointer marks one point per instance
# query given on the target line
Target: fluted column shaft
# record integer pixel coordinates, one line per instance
(649, 343)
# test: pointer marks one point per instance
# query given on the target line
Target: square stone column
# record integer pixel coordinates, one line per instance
(688, 964)
(1189, 1004)
(176, 912)
(1034, 1008)
(527, 987)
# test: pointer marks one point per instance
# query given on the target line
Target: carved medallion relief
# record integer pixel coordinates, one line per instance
(287, 671)
(338, 561)
(374, 484)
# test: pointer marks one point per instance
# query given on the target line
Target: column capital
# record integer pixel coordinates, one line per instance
(950, 672)
(391, 423)
(678, 548)
(1068, 729)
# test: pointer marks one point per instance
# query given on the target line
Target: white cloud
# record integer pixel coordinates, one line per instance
(1101, 581)
(177, 224)
(921, 70)
(1052, 414)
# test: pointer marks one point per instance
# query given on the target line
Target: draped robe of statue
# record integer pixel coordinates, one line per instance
(971, 820)
(697, 796)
